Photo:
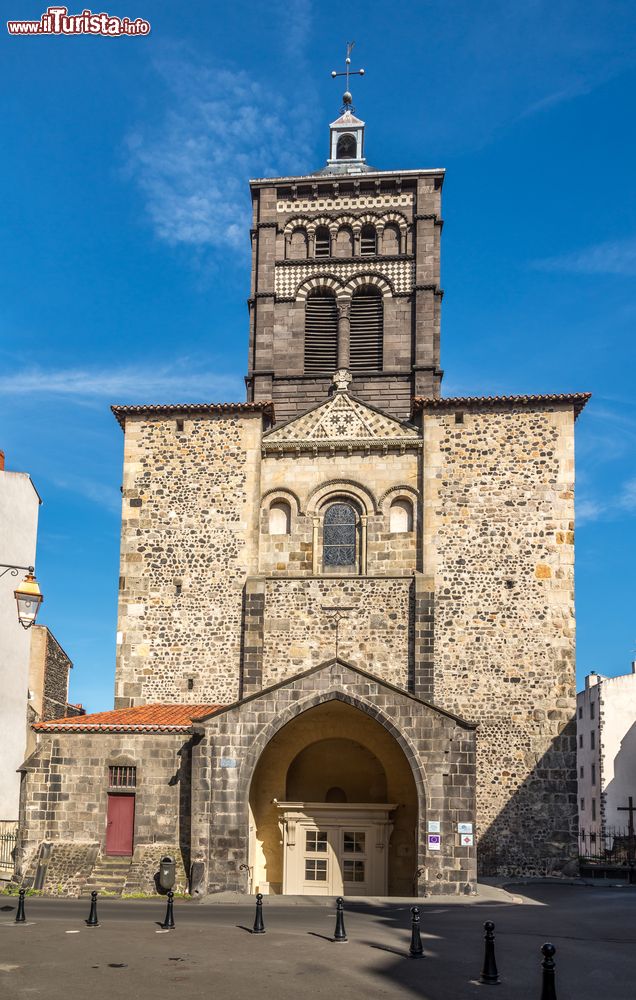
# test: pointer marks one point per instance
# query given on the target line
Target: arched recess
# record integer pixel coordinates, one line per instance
(394, 491)
(372, 761)
(327, 492)
(281, 493)
(297, 246)
(391, 240)
(343, 245)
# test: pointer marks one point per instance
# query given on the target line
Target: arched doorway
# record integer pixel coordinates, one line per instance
(333, 808)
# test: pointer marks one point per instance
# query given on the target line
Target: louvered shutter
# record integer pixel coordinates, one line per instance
(321, 335)
(367, 330)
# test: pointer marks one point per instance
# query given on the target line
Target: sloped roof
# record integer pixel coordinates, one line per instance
(158, 409)
(152, 718)
(576, 399)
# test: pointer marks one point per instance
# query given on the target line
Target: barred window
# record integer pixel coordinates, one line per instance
(120, 776)
(321, 333)
(368, 241)
(322, 246)
(339, 535)
(367, 330)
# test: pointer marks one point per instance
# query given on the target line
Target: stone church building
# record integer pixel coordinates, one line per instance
(345, 648)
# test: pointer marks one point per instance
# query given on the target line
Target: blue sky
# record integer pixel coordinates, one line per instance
(125, 255)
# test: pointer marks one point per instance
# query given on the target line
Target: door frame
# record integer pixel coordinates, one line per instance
(111, 795)
(297, 818)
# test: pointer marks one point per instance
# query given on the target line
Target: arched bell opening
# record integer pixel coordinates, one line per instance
(333, 808)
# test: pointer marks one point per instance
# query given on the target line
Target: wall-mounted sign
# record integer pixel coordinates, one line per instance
(434, 826)
(467, 840)
(228, 762)
(464, 827)
(434, 842)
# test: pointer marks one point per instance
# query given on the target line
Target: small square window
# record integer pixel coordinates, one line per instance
(353, 843)
(353, 871)
(120, 776)
(315, 841)
(315, 871)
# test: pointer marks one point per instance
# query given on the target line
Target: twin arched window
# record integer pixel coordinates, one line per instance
(366, 336)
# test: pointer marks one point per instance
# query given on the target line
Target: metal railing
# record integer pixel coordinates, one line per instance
(608, 846)
(8, 841)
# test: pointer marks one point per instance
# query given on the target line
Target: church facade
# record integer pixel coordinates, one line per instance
(346, 637)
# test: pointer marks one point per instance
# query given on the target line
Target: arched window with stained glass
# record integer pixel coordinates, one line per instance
(340, 531)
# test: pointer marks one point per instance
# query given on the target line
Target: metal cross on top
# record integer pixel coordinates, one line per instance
(346, 97)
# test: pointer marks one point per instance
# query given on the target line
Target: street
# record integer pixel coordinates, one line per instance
(212, 954)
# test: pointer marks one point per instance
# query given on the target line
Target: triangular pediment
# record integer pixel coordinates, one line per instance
(342, 419)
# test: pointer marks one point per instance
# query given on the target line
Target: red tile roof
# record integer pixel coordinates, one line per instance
(264, 406)
(575, 399)
(138, 719)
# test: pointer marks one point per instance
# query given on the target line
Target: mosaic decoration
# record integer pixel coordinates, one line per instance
(401, 274)
(341, 418)
(351, 202)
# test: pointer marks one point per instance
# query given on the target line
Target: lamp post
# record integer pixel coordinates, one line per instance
(28, 595)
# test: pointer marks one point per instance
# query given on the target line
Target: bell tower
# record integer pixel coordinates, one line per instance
(345, 275)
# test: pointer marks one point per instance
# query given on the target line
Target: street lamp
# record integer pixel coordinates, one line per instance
(28, 595)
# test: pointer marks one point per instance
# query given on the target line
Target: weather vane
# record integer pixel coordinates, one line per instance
(346, 97)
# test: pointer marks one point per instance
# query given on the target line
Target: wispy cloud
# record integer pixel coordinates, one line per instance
(103, 494)
(164, 384)
(218, 127)
(610, 257)
(589, 510)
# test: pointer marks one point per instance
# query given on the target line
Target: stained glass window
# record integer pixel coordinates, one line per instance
(339, 537)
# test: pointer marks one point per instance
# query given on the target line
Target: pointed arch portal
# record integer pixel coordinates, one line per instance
(333, 807)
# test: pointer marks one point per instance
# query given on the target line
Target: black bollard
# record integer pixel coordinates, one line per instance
(416, 950)
(168, 924)
(92, 916)
(20, 917)
(340, 933)
(489, 975)
(548, 991)
(259, 926)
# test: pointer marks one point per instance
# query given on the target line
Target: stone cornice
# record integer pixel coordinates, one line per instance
(341, 446)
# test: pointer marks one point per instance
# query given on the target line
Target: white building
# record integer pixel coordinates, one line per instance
(606, 750)
(19, 504)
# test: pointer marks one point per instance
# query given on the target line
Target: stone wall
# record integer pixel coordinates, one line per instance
(56, 674)
(498, 542)
(189, 530)
(65, 790)
(375, 633)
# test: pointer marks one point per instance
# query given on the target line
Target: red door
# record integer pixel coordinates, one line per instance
(120, 824)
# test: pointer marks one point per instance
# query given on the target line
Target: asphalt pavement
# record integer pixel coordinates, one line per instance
(212, 954)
